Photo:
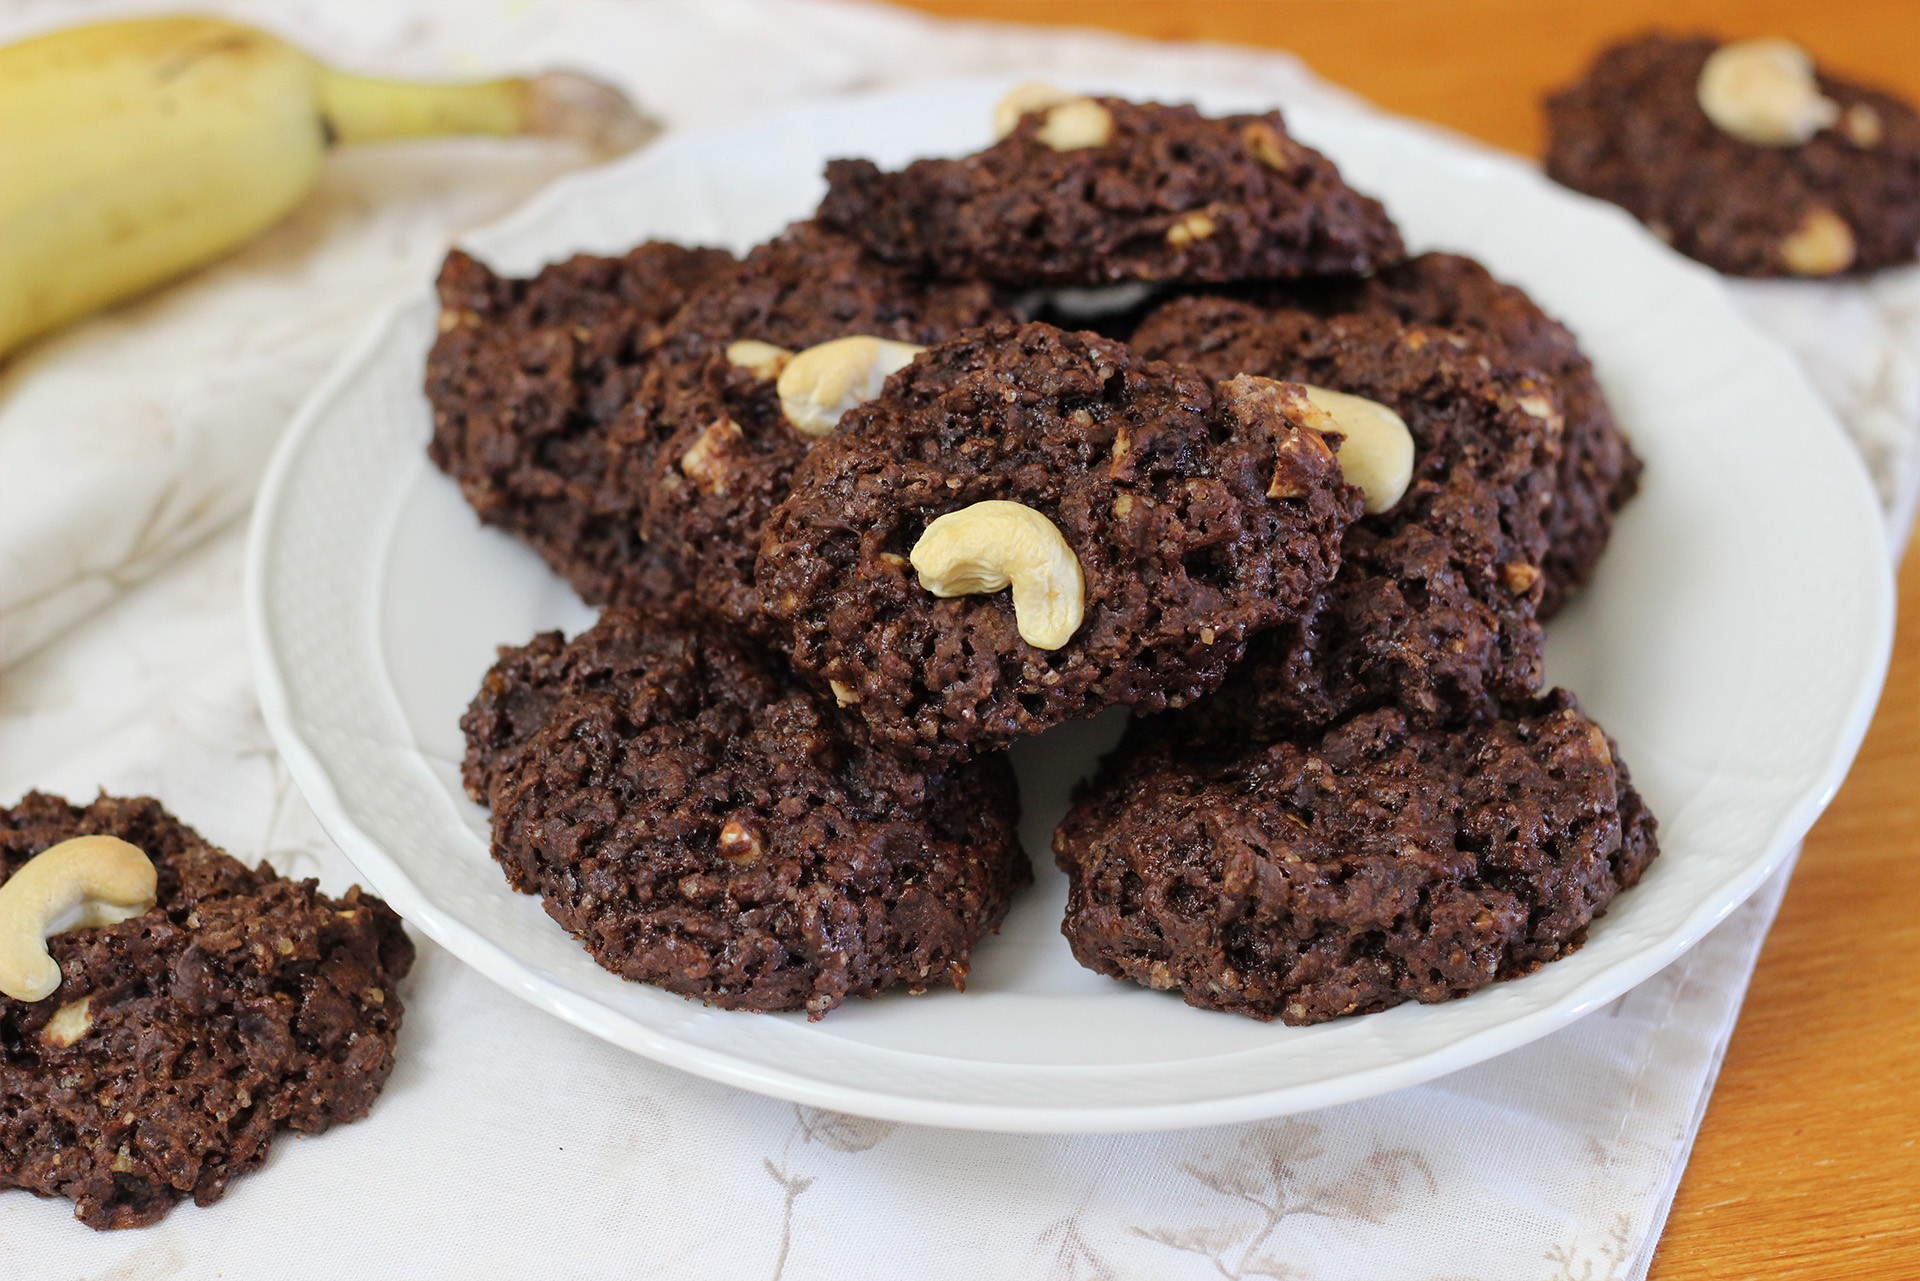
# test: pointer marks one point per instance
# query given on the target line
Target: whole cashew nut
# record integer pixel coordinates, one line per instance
(1376, 449)
(1764, 92)
(83, 883)
(996, 544)
(1034, 95)
(823, 382)
(1072, 120)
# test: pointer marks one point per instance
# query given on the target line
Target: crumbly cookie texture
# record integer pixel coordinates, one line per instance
(1773, 188)
(525, 379)
(1094, 191)
(1598, 473)
(1346, 872)
(708, 440)
(700, 821)
(181, 1041)
(1194, 513)
(1433, 609)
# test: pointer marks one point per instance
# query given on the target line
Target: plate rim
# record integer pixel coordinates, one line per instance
(395, 883)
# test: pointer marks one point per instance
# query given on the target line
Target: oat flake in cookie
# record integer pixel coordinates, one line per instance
(525, 379)
(1186, 514)
(1088, 191)
(698, 820)
(180, 1042)
(707, 440)
(1433, 610)
(1833, 187)
(1341, 874)
(1599, 471)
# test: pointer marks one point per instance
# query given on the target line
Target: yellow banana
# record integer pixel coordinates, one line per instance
(131, 152)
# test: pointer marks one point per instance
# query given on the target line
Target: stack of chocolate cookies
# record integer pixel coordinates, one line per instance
(860, 519)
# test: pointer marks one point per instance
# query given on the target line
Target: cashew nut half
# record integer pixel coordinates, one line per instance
(83, 883)
(1376, 449)
(1764, 92)
(823, 382)
(996, 544)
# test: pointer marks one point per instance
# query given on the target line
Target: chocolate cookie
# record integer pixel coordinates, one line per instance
(1433, 610)
(1599, 472)
(706, 439)
(1836, 188)
(1180, 515)
(1318, 877)
(697, 820)
(524, 380)
(1096, 190)
(182, 1041)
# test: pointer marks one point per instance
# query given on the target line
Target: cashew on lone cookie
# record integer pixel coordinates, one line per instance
(1376, 449)
(83, 883)
(1764, 92)
(823, 382)
(996, 544)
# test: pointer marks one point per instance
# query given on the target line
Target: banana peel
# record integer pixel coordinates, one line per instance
(133, 152)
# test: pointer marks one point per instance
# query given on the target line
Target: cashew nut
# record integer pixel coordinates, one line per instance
(83, 883)
(1822, 245)
(996, 544)
(1376, 449)
(1076, 124)
(1193, 226)
(822, 383)
(1035, 95)
(762, 359)
(1764, 92)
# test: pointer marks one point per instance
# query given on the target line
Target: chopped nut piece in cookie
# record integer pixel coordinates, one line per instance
(1191, 227)
(1822, 245)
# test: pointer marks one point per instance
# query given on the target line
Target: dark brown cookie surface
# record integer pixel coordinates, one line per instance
(1170, 195)
(696, 819)
(1199, 514)
(181, 1042)
(1380, 863)
(525, 379)
(707, 441)
(1599, 472)
(1433, 610)
(1633, 132)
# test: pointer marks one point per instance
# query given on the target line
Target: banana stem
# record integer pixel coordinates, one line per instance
(559, 104)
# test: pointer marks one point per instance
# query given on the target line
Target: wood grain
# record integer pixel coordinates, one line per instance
(1808, 1164)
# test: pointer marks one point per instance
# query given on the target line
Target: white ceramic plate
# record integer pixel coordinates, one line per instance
(1734, 642)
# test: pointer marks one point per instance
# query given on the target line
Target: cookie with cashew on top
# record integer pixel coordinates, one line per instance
(1598, 473)
(1094, 190)
(165, 1011)
(1347, 870)
(1743, 155)
(526, 379)
(701, 821)
(1434, 608)
(1029, 525)
(719, 422)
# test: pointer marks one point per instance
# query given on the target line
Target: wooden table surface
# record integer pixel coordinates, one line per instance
(1808, 1163)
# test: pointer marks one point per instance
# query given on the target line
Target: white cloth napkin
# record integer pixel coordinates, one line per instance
(508, 1144)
